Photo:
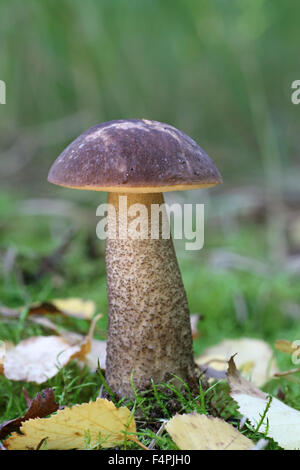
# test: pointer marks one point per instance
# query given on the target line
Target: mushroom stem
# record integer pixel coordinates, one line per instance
(149, 332)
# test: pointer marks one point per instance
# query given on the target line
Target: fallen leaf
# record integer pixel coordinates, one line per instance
(42, 405)
(74, 307)
(97, 423)
(200, 432)
(97, 351)
(254, 358)
(39, 358)
(281, 423)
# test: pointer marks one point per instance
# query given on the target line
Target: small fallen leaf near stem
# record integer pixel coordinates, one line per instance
(39, 358)
(95, 424)
(73, 307)
(266, 414)
(200, 432)
(97, 353)
(76, 307)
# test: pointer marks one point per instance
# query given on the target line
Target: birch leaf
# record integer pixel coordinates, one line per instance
(97, 423)
(76, 307)
(200, 432)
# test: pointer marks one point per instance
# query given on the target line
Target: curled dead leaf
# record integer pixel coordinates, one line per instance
(39, 407)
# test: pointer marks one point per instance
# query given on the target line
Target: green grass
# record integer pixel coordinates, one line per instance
(210, 292)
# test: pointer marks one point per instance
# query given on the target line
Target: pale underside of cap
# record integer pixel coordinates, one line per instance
(134, 156)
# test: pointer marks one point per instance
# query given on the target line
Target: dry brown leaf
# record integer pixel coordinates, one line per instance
(99, 422)
(281, 422)
(42, 405)
(200, 432)
(254, 358)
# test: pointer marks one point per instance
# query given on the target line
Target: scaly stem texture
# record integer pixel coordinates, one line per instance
(149, 332)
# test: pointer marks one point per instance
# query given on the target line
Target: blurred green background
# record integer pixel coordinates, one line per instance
(219, 70)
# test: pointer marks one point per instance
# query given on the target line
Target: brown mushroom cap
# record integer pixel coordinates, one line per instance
(134, 156)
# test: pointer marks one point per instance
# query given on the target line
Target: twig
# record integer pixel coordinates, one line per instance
(158, 434)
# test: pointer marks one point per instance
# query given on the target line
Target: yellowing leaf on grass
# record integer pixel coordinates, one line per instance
(74, 307)
(281, 422)
(254, 358)
(200, 432)
(97, 423)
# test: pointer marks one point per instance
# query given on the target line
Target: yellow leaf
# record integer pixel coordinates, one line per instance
(97, 423)
(200, 432)
(76, 307)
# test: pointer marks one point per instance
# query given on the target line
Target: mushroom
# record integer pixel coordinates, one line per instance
(149, 332)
